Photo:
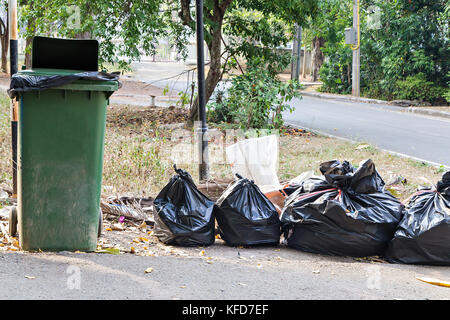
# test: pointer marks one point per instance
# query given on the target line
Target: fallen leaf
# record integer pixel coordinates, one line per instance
(202, 253)
(108, 250)
(132, 250)
(108, 229)
(117, 227)
(143, 225)
(436, 282)
(143, 239)
(148, 270)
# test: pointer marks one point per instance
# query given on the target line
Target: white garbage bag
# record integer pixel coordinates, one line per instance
(256, 159)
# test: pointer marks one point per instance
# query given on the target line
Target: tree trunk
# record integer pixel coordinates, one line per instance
(4, 39)
(304, 63)
(5, 46)
(83, 35)
(28, 44)
(214, 14)
(317, 56)
(215, 67)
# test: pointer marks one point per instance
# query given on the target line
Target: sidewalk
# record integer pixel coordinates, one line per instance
(429, 111)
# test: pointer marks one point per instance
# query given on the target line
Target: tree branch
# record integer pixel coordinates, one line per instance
(185, 13)
(224, 5)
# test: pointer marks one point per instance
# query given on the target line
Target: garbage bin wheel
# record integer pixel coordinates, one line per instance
(100, 223)
(13, 222)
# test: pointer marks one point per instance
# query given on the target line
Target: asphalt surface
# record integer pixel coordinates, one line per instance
(253, 274)
(386, 127)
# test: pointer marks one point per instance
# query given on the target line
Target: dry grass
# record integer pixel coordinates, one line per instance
(138, 153)
(299, 154)
(5, 140)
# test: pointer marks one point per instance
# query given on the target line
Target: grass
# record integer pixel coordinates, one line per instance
(5, 140)
(139, 154)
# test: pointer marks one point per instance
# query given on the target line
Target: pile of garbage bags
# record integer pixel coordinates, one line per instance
(347, 211)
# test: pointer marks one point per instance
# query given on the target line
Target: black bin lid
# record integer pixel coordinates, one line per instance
(69, 54)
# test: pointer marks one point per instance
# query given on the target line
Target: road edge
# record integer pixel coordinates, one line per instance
(402, 155)
(384, 104)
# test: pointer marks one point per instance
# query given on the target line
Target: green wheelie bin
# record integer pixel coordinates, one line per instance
(60, 159)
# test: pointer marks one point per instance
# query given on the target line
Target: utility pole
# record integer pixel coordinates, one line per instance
(296, 53)
(356, 52)
(203, 130)
(13, 60)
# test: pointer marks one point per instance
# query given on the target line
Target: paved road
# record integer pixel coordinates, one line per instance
(415, 135)
(254, 274)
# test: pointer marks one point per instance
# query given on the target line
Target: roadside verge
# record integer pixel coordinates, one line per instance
(382, 103)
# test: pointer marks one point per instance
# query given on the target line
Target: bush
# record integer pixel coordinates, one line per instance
(336, 72)
(418, 88)
(256, 99)
(447, 95)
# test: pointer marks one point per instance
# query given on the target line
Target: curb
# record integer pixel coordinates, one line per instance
(342, 98)
(402, 155)
(385, 104)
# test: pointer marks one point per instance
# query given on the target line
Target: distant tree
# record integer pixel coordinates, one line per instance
(140, 23)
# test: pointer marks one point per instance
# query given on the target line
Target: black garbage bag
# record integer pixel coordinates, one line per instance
(346, 212)
(423, 235)
(26, 83)
(183, 215)
(246, 216)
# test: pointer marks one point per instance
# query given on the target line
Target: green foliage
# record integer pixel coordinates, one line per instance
(336, 72)
(447, 95)
(129, 29)
(184, 99)
(418, 88)
(126, 29)
(252, 34)
(401, 43)
(256, 98)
